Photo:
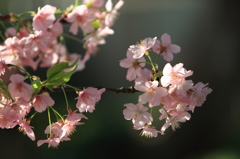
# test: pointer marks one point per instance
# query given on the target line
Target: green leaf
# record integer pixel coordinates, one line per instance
(158, 75)
(4, 89)
(56, 69)
(37, 85)
(56, 76)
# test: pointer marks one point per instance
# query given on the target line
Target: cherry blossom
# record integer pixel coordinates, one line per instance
(133, 65)
(174, 121)
(139, 115)
(87, 99)
(112, 12)
(18, 88)
(174, 75)
(165, 48)
(81, 16)
(200, 92)
(41, 101)
(152, 94)
(26, 128)
(149, 131)
(138, 50)
(44, 18)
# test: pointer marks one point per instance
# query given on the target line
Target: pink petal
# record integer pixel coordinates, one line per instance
(126, 63)
(74, 28)
(174, 48)
(166, 39)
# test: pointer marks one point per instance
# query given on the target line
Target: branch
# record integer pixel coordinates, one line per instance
(118, 90)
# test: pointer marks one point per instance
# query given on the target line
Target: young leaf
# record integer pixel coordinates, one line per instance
(37, 85)
(4, 89)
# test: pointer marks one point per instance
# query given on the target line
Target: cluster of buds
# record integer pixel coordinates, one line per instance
(168, 90)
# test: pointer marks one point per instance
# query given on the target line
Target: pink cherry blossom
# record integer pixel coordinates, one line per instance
(112, 12)
(18, 88)
(149, 131)
(41, 101)
(199, 95)
(143, 76)
(87, 99)
(181, 89)
(81, 16)
(174, 121)
(73, 116)
(174, 75)
(133, 65)
(26, 129)
(98, 36)
(16, 110)
(139, 115)
(152, 94)
(52, 141)
(10, 32)
(44, 18)
(165, 48)
(23, 32)
(68, 128)
(139, 49)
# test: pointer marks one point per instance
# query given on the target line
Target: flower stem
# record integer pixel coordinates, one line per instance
(72, 37)
(65, 96)
(50, 122)
(76, 3)
(57, 113)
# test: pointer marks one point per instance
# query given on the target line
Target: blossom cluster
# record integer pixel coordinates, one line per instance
(18, 99)
(41, 42)
(168, 90)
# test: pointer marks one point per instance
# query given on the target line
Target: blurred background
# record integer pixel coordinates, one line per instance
(209, 35)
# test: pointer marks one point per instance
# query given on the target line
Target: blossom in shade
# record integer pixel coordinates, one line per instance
(17, 110)
(149, 132)
(10, 32)
(165, 48)
(138, 114)
(138, 50)
(52, 141)
(26, 128)
(41, 101)
(175, 121)
(18, 88)
(73, 116)
(152, 94)
(199, 94)
(44, 18)
(133, 65)
(87, 98)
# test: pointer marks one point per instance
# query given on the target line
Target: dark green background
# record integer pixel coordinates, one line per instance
(209, 35)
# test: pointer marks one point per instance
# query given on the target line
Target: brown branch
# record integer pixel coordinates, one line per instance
(118, 90)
